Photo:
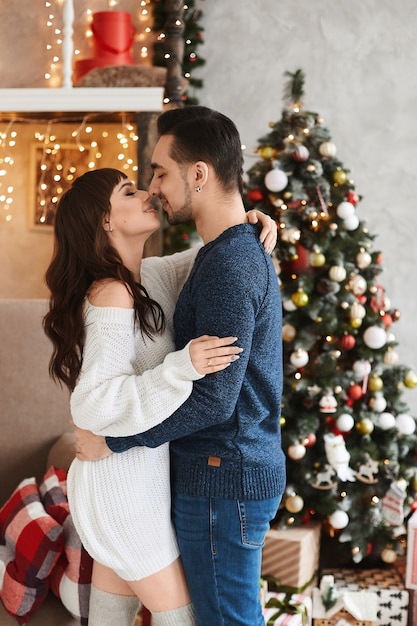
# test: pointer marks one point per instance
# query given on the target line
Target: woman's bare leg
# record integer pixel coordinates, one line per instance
(164, 593)
(164, 590)
(112, 601)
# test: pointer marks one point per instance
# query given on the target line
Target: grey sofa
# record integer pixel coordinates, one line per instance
(34, 413)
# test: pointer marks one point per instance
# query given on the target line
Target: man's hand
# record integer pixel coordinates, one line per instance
(90, 447)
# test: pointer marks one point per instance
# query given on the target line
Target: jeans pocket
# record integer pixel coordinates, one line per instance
(255, 517)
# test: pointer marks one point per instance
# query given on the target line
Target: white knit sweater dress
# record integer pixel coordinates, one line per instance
(121, 505)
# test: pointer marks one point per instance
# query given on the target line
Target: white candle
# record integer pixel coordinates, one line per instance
(67, 45)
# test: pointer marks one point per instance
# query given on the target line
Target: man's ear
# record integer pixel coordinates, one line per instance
(201, 173)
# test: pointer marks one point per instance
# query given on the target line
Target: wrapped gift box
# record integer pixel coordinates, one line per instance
(353, 608)
(411, 572)
(392, 598)
(291, 555)
(299, 605)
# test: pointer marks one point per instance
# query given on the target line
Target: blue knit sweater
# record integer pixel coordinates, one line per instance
(226, 439)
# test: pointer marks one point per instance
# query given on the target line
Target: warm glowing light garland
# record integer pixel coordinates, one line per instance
(8, 142)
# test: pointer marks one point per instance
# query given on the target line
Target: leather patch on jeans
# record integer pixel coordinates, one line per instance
(214, 461)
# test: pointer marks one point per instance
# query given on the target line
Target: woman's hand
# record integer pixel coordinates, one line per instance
(268, 235)
(90, 447)
(212, 354)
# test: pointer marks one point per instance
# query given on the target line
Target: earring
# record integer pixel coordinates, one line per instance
(109, 228)
(198, 189)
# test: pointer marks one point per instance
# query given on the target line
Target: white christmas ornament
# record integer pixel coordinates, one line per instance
(375, 337)
(338, 456)
(345, 209)
(405, 424)
(357, 311)
(296, 451)
(378, 403)
(288, 332)
(337, 273)
(289, 305)
(327, 149)
(358, 284)
(276, 180)
(391, 357)
(299, 358)
(363, 259)
(386, 421)
(345, 422)
(361, 368)
(339, 519)
(351, 222)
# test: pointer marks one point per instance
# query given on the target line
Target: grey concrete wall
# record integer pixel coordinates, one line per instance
(360, 61)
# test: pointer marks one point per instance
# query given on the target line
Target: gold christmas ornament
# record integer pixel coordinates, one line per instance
(375, 383)
(410, 379)
(299, 298)
(339, 177)
(317, 259)
(364, 427)
(356, 322)
(267, 152)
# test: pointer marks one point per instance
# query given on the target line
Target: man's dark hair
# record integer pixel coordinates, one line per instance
(202, 134)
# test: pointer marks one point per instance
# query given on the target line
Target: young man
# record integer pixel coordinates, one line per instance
(228, 468)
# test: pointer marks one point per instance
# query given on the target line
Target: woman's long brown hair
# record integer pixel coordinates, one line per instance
(83, 254)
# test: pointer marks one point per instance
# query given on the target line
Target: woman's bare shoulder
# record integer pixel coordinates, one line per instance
(109, 292)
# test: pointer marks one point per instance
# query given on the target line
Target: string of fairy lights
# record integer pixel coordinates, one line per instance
(64, 148)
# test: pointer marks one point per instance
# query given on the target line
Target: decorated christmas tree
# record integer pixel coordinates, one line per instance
(348, 435)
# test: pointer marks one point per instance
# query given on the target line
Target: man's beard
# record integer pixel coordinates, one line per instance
(183, 215)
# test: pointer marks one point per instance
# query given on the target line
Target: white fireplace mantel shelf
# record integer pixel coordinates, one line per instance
(80, 99)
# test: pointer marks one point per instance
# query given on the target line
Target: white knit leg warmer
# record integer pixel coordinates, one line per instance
(183, 616)
(108, 609)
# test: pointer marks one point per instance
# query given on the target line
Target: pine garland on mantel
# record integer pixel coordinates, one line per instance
(190, 31)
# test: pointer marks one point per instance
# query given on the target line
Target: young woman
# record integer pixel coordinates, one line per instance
(110, 322)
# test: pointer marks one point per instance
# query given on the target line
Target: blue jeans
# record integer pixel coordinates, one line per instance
(221, 547)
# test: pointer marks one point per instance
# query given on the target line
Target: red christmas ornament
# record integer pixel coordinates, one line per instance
(300, 264)
(361, 299)
(295, 204)
(413, 506)
(378, 260)
(352, 197)
(387, 319)
(255, 195)
(347, 342)
(310, 440)
(355, 392)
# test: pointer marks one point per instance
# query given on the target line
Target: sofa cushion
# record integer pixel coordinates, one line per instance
(71, 577)
(32, 542)
(62, 453)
